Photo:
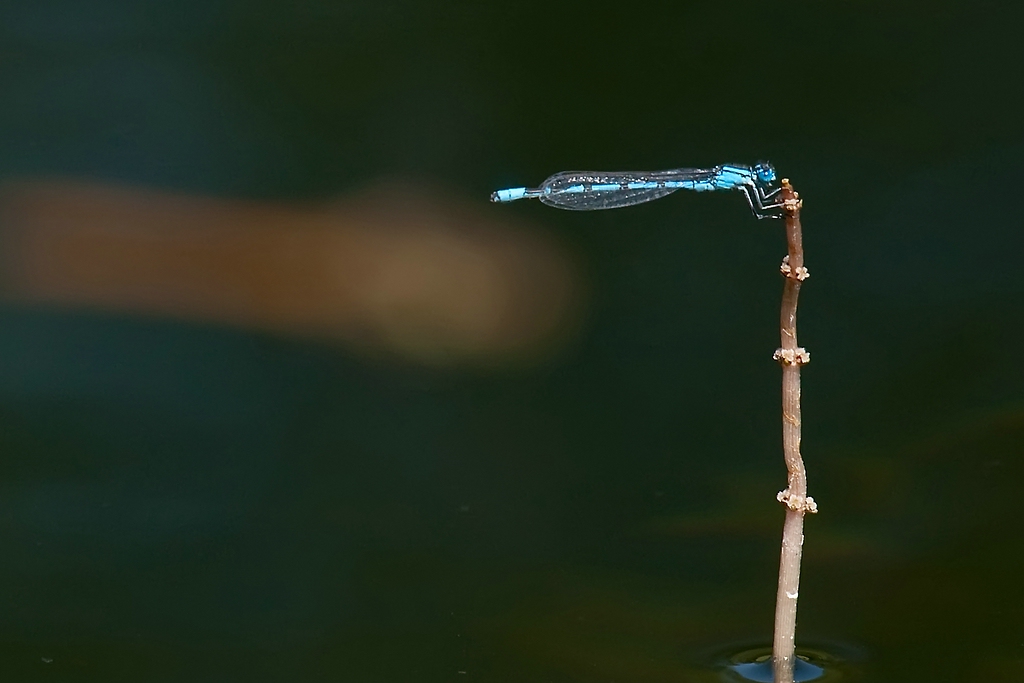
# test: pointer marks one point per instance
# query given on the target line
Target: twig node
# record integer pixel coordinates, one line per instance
(797, 356)
(800, 274)
(797, 503)
(792, 205)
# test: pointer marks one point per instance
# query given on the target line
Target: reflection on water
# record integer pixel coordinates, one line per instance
(756, 665)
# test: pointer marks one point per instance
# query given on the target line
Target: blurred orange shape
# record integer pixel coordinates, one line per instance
(390, 270)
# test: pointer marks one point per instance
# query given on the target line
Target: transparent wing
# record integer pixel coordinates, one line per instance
(593, 190)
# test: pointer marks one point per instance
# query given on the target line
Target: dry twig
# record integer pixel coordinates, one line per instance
(797, 502)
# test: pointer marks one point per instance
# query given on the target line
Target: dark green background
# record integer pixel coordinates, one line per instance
(186, 503)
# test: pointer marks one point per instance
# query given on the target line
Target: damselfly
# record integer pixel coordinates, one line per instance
(593, 190)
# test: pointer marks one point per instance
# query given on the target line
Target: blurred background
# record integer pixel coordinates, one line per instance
(283, 397)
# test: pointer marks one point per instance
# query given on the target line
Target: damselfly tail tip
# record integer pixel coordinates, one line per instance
(509, 195)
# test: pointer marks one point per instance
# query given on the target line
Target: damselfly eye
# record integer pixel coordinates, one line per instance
(765, 172)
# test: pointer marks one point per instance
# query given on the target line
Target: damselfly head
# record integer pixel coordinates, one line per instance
(764, 172)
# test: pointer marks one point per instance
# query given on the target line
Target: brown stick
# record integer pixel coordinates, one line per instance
(795, 497)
